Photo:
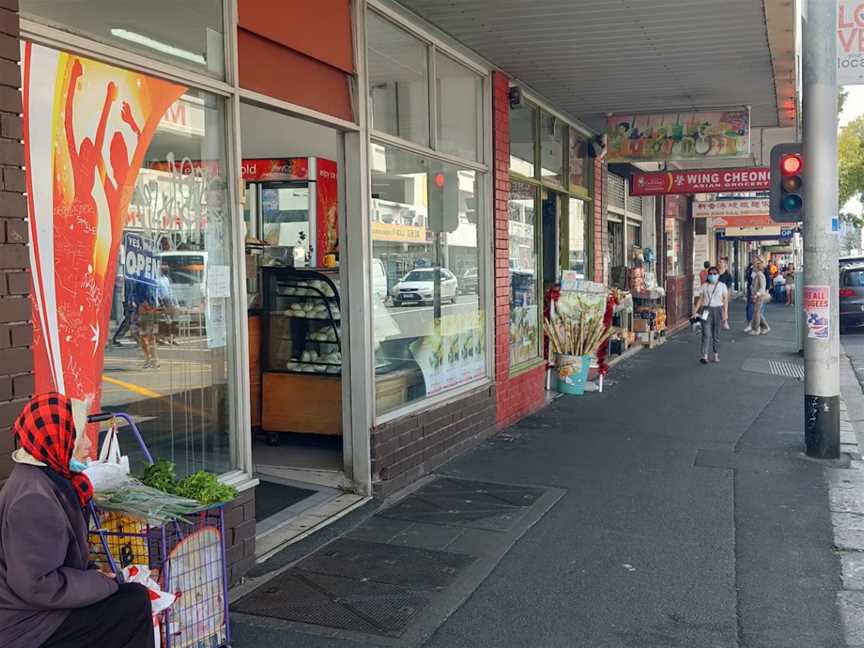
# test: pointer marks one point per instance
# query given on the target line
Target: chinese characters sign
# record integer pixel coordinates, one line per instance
(816, 310)
(700, 181)
(678, 136)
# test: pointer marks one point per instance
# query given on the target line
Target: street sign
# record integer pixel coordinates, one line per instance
(700, 181)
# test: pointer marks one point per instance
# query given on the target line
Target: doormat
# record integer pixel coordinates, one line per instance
(270, 498)
(402, 572)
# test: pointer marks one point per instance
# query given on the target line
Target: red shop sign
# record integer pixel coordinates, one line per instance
(700, 181)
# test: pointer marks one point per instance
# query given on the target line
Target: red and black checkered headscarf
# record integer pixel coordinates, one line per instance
(46, 429)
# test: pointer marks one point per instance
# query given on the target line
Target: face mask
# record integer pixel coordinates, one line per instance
(77, 466)
(712, 278)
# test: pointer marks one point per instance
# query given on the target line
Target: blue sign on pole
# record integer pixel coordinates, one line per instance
(140, 263)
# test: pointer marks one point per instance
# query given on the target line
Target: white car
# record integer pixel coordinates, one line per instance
(418, 287)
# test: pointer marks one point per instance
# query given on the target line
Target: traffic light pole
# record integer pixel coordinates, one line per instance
(821, 276)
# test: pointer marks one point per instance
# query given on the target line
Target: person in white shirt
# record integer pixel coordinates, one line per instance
(712, 309)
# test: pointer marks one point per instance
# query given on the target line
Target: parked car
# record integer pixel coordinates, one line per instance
(379, 280)
(851, 296)
(468, 284)
(418, 287)
(851, 260)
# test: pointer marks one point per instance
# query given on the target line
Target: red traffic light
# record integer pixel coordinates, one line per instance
(791, 164)
(439, 180)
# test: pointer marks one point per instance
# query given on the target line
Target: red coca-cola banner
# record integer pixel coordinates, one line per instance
(700, 181)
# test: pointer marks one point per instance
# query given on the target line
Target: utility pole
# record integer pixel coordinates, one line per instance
(821, 276)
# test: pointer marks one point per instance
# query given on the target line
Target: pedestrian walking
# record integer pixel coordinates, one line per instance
(712, 309)
(760, 296)
(703, 275)
(790, 284)
(748, 276)
(50, 595)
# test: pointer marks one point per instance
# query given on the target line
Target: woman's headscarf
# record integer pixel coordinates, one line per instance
(46, 429)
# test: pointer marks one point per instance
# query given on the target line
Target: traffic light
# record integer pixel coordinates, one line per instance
(787, 184)
(443, 187)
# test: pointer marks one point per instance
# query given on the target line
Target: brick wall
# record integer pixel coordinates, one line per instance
(405, 449)
(519, 395)
(240, 535)
(16, 330)
(601, 232)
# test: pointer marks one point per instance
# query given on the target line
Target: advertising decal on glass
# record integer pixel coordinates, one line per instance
(678, 136)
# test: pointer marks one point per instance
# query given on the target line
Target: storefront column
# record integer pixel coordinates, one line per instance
(16, 329)
(599, 242)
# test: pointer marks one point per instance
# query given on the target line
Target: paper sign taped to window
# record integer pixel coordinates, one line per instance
(219, 281)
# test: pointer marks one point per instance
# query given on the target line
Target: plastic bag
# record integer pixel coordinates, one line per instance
(159, 600)
(111, 470)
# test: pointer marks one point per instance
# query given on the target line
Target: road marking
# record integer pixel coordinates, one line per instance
(135, 389)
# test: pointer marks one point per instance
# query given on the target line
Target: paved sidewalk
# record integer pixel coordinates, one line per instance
(689, 516)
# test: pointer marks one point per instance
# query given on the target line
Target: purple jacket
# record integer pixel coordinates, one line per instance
(43, 558)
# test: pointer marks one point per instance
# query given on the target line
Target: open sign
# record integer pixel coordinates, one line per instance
(139, 261)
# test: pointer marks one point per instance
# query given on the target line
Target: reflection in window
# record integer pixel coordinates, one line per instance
(673, 247)
(190, 38)
(524, 309)
(170, 356)
(398, 81)
(634, 237)
(578, 161)
(552, 137)
(460, 108)
(576, 233)
(427, 315)
(523, 136)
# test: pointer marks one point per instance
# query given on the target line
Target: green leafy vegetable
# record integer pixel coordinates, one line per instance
(201, 486)
(161, 476)
(140, 501)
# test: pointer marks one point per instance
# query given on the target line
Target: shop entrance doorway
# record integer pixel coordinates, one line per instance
(551, 217)
(293, 174)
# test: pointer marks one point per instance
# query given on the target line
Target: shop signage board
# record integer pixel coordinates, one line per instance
(700, 181)
(140, 263)
(398, 233)
(452, 354)
(731, 208)
(850, 42)
(817, 306)
(698, 135)
(770, 232)
(741, 221)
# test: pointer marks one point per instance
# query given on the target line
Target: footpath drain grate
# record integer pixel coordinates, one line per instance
(781, 368)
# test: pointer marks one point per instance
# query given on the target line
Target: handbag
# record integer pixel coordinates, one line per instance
(111, 469)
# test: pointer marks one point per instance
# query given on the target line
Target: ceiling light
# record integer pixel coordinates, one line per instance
(152, 43)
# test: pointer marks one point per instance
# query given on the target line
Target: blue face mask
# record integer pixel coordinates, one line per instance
(77, 466)
(712, 278)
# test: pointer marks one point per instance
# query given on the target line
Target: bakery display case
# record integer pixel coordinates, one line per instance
(301, 352)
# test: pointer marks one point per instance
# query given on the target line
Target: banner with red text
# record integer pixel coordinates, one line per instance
(850, 42)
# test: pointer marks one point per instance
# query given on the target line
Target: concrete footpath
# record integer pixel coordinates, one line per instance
(681, 513)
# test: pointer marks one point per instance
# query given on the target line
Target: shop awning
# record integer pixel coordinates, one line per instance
(592, 57)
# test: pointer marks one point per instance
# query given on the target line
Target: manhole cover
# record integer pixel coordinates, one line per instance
(781, 368)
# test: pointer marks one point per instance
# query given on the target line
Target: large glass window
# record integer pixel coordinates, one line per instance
(428, 325)
(188, 34)
(523, 138)
(460, 108)
(673, 247)
(578, 158)
(552, 137)
(576, 235)
(524, 307)
(398, 81)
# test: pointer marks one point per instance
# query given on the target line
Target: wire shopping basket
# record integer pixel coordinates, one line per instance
(186, 557)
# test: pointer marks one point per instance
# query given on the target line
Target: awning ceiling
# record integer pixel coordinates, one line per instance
(591, 57)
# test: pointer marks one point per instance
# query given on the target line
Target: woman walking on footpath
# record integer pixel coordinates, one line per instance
(760, 295)
(712, 308)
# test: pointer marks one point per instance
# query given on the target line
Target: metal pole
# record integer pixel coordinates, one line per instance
(821, 356)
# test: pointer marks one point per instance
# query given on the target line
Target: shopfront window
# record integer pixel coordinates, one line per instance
(673, 247)
(140, 318)
(460, 101)
(578, 158)
(523, 138)
(187, 34)
(428, 321)
(553, 134)
(634, 237)
(524, 308)
(576, 235)
(398, 81)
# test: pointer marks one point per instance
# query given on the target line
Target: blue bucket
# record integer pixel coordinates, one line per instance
(572, 372)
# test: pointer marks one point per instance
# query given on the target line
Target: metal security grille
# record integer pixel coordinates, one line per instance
(634, 205)
(616, 191)
(781, 368)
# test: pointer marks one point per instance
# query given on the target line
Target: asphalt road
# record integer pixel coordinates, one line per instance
(691, 520)
(416, 321)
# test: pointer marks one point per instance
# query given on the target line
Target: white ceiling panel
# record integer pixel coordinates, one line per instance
(592, 57)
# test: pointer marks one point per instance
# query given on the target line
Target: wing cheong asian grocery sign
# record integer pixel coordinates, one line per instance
(700, 181)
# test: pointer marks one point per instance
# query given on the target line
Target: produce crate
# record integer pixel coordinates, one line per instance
(186, 558)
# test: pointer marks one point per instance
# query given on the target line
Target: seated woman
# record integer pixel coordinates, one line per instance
(49, 594)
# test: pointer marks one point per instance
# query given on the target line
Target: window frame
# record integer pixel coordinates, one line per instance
(480, 166)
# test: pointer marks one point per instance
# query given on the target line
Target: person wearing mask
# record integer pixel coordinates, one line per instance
(712, 308)
(760, 295)
(50, 597)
